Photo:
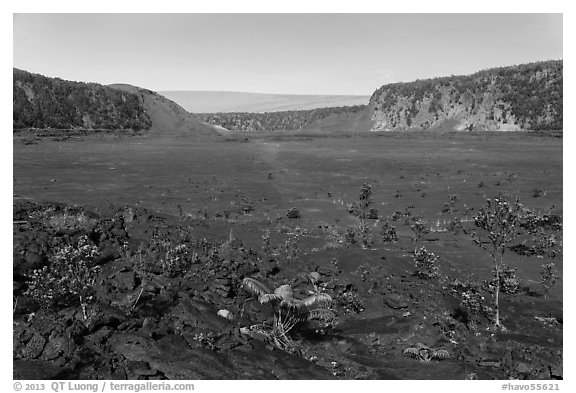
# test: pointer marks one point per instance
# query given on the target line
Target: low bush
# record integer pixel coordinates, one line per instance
(388, 233)
(426, 264)
(293, 213)
(70, 275)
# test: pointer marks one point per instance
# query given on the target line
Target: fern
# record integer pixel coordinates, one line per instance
(288, 311)
(412, 352)
(269, 298)
(255, 287)
(440, 354)
(425, 353)
(319, 299)
(284, 291)
(321, 314)
(314, 278)
(293, 305)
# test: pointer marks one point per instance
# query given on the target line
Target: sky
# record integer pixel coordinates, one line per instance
(278, 53)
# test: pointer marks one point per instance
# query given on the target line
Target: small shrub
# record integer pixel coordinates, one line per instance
(548, 277)
(450, 206)
(473, 302)
(455, 225)
(70, 275)
(537, 193)
(246, 207)
(425, 261)
(70, 222)
(293, 213)
(372, 214)
(542, 243)
(266, 243)
(388, 233)
(350, 235)
(351, 303)
(533, 222)
(359, 234)
(174, 259)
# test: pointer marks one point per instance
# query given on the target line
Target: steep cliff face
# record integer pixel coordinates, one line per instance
(524, 97)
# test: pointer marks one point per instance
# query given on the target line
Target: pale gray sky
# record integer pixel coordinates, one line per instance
(278, 53)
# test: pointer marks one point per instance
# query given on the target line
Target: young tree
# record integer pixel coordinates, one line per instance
(497, 226)
(362, 208)
(549, 277)
(420, 229)
(364, 211)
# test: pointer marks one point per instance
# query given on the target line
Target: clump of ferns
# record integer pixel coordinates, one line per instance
(425, 353)
(289, 312)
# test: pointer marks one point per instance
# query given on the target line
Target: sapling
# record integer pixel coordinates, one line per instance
(497, 226)
(548, 277)
(420, 229)
(364, 211)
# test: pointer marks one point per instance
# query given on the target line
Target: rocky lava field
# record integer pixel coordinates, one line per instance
(130, 258)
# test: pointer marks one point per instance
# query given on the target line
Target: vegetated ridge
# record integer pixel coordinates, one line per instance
(43, 102)
(276, 121)
(52, 103)
(521, 97)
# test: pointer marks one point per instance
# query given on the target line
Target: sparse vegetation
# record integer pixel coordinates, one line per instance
(68, 221)
(176, 291)
(71, 275)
